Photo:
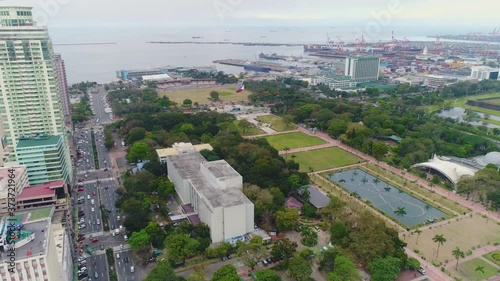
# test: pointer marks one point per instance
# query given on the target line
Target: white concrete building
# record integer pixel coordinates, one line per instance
(334, 82)
(30, 102)
(214, 191)
(362, 69)
(19, 180)
(484, 73)
(178, 148)
(43, 254)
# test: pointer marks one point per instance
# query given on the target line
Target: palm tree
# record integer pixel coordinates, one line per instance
(479, 268)
(439, 239)
(418, 232)
(400, 212)
(286, 149)
(457, 253)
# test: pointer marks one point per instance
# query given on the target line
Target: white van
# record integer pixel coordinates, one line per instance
(132, 269)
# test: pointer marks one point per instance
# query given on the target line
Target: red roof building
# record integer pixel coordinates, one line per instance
(292, 203)
(46, 194)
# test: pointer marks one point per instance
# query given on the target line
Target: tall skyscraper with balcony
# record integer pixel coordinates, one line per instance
(63, 88)
(30, 102)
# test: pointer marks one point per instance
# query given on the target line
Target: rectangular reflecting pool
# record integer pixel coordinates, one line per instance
(394, 202)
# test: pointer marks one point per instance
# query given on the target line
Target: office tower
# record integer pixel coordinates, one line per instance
(362, 69)
(30, 103)
(46, 158)
(63, 88)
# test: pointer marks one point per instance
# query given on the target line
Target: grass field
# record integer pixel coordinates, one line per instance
(276, 122)
(226, 94)
(322, 159)
(490, 257)
(493, 101)
(39, 214)
(293, 140)
(465, 232)
(250, 132)
(467, 270)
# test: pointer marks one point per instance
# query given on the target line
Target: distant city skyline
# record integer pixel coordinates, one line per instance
(443, 15)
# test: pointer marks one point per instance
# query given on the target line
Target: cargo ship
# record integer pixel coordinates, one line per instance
(317, 48)
(257, 68)
(271, 56)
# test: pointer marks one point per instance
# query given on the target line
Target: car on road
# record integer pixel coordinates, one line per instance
(102, 246)
(125, 259)
(113, 227)
(88, 196)
(422, 271)
(80, 189)
(92, 209)
(80, 180)
(93, 193)
(81, 226)
(125, 237)
(132, 269)
(118, 255)
(92, 201)
(95, 240)
(96, 275)
(98, 222)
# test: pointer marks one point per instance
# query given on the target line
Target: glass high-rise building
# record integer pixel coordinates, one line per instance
(30, 100)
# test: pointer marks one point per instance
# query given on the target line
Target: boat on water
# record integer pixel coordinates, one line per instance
(257, 68)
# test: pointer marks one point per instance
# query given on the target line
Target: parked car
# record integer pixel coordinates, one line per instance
(80, 189)
(95, 240)
(422, 271)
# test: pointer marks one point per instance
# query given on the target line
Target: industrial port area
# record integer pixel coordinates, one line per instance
(436, 62)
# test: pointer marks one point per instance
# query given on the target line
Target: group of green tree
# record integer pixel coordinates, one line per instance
(81, 111)
(358, 235)
(220, 76)
(136, 100)
(484, 186)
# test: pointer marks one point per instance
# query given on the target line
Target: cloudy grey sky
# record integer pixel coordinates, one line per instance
(446, 13)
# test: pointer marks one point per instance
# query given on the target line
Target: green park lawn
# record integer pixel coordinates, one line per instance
(468, 270)
(250, 132)
(277, 123)
(322, 159)
(202, 95)
(495, 259)
(293, 140)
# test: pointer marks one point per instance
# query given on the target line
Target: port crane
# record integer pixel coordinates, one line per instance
(340, 45)
(438, 46)
(329, 43)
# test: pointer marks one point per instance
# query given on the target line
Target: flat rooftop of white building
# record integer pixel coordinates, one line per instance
(37, 246)
(188, 166)
(4, 176)
(181, 147)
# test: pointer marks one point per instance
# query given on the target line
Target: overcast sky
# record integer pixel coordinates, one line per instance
(482, 14)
